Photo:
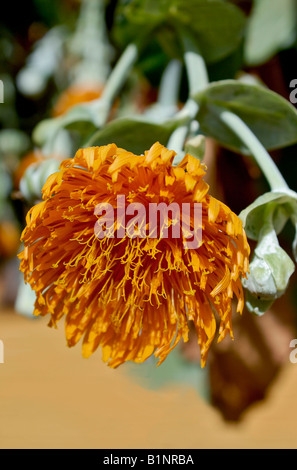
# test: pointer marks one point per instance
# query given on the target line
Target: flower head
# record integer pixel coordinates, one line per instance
(132, 296)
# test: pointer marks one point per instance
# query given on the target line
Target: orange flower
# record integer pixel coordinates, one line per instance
(133, 296)
(76, 94)
(9, 239)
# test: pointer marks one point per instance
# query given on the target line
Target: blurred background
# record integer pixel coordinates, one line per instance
(58, 53)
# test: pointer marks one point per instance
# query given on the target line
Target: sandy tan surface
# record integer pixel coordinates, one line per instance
(50, 397)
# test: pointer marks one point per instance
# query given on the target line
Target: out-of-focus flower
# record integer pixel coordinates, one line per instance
(9, 239)
(132, 296)
(76, 94)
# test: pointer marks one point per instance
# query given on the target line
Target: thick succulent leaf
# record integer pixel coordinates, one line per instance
(13, 142)
(272, 27)
(252, 217)
(270, 117)
(217, 27)
(84, 118)
(134, 135)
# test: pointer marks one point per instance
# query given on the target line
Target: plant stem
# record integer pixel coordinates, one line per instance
(189, 111)
(120, 73)
(198, 80)
(264, 160)
(195, 65)
(170, 83)
(177, 139)
(117, 78)
(197, 77)
(167, 103)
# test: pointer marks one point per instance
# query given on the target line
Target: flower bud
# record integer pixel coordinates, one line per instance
(270, 271)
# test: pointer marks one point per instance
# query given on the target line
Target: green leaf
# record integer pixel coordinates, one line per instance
(269, 116)
(13, 142)
(227, 67)
(134, 134)
(284, 205)
(84, 118)
(217, 27)
(272, 27)
(136, 18)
